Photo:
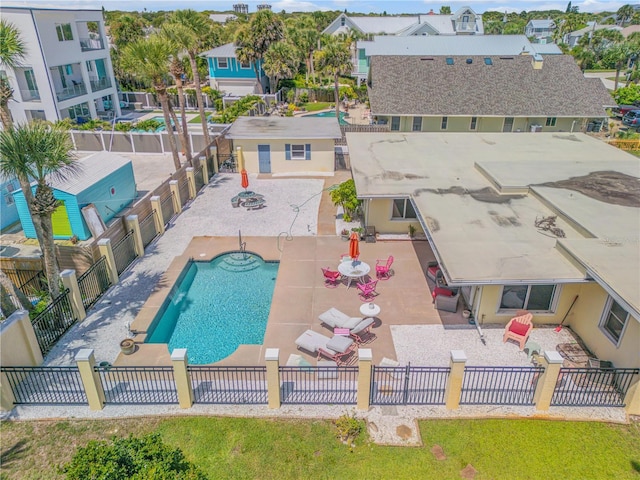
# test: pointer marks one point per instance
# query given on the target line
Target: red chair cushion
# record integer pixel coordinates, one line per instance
(433, 270)
(445, 292)
(519, 328)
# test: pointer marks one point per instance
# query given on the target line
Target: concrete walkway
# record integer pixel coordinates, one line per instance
(604, 76)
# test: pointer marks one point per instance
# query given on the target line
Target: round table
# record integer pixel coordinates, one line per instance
(353, 270)
(369, 309)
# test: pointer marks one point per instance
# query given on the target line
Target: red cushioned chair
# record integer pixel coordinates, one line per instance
(383, 268)
(367, 290)
(518, 329)
(433, 271)
(331, 278)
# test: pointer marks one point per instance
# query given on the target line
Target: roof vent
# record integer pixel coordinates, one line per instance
(469, 61)
(427, 58)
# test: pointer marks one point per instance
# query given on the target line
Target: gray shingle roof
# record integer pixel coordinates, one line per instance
(410, 85)
(285, 128)
(227, 50)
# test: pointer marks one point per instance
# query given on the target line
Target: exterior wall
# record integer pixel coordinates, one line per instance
(378, 214)
(487, 124)
(233, 70)
(71, 204)
(108, 205)
(322, 155)
(8, 213)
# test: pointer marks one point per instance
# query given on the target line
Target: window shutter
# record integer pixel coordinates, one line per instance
(307, 151)
(287, 151)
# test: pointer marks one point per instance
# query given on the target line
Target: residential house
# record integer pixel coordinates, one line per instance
(67, 71)
(482, 45)
(541, 31)
(285, 145)
(230, 76)
(463, 22)
(527, 221)
(493, 93)
(8, 210)
(222, 17)
(572, 38)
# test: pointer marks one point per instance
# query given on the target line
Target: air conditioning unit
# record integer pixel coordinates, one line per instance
(536, 128)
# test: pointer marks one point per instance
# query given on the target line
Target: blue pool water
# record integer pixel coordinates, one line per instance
(217, 306)
(331, 114)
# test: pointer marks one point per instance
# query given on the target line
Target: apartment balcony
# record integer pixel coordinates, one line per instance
(88, 44)
(466, 27)
(71, 92)
(30, 95)
(100, 84)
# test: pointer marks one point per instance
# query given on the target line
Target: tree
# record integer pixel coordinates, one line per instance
(304, 34)
(149, 59)
(627, 95)
(126, 29)
(12, 52)
(39, 151)
(445, 10)
(335, 60)
(193, 32)
(280, 61)
(617, 55)
(624, 14)
(568, 10)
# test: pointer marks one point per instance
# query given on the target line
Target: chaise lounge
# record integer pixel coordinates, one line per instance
(334, 318)
(335, 348)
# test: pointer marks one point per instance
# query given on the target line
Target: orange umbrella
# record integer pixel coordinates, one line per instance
(245, 179)
(354, 246)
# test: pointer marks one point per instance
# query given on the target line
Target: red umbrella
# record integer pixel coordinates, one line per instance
(245, 179)
(354, 246)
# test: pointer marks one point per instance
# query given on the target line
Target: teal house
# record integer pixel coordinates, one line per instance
(8, 210)
(104, 180)
(232, 77)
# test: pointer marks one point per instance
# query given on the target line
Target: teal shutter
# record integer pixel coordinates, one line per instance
(307, 151)
(287, 151)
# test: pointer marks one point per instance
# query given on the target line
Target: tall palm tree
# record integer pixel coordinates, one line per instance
(618, 54)
(39, 151)
(177, 71)
(624, 14)
(12, 52)
(335, 59)
(303, 33)
(280, 61)
(149, 59)
(193, 32)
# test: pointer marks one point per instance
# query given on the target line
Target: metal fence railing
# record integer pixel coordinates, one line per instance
(45, 385)
(593, 387)
(29, 282)
(138, 385)
(408, 385)
(199, 177)
(124, 252)
(230, 385)
(148, 229)
(183, 189)
(499, 385)
(94, 282)
(319, 385)
(166, 205)
(53, 322)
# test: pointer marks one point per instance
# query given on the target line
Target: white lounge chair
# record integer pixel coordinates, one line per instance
(334, 348)
(334, 318)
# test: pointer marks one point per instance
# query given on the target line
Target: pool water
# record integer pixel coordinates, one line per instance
(217, 306)
(331, 114)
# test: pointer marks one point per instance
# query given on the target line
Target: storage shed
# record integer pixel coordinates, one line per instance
(104, 179)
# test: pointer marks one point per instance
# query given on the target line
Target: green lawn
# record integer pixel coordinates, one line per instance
(315, 106)
(195, 119)
(232, 448)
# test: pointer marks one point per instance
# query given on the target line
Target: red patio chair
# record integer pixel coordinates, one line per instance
(331, 278)
(383, 268)
(367, 290)
(518, 329)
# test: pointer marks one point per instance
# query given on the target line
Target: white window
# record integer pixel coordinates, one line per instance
(245, 65)
(474, 123)
(444, 123)
(508, 124)
(417, 124)
(64, 32)
(8, 200)
(297, 152)
(402, 209)
(613, 320)
(540, 298)
(222, 63)
(551, 122)
(395, 124)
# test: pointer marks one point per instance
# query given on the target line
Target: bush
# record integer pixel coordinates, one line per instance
(149, 125)
(123, 127)
(345, 195)
(627, 95)
(124, 458)
(304, 97)
(348, 428)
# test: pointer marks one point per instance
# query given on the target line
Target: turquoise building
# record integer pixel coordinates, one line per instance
(232, 77)
(104, 180)
(8, 209)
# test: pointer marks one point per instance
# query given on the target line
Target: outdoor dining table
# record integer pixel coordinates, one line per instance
(352, 270)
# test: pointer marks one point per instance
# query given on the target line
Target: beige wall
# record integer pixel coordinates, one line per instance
(488, 124)
(322, 155)
(18, 343)
(379, 215)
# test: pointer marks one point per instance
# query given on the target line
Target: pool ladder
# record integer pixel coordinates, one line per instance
(243, 245)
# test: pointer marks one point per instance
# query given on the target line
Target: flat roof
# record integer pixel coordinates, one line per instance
(92, 169)
(479, 196)
(284, 128)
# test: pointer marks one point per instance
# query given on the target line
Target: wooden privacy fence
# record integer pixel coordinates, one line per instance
(627, 145)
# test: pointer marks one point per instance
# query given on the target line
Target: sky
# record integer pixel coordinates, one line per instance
(360, 6)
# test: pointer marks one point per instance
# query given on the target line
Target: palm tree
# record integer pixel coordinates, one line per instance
(624, 14)
(39, 151)
(303, 33)
(280, 61)
(193, 32)
(618, 55)
(335, 59)
(149, 59)
(177, 71)
(12, 52)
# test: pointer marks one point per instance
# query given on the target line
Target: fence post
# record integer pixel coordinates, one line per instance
(7, 399)
(191, 181)
(365, 357)
(454, 382)
(157, 214)
(632, 398)
(213, 151)
(551, 361)
(133, 224)
(90, 379)
(19, 347)
(181, 376)
(70, 281)
(205, 169)
(271, 357)
(104, 245)
(175, 196)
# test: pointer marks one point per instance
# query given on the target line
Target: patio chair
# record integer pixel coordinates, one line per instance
(518, 329)
(433, 271)
(362, 333)
(383, 268)
(446, 299)
(334, 318)
(339, 357)
(368, 290)
(331, 278)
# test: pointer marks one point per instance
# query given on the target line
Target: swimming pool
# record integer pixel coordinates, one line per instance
(216, 306)
(331, 114)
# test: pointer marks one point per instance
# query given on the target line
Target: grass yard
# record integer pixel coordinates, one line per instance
(316, 106)
(233, 448)
(195, 119)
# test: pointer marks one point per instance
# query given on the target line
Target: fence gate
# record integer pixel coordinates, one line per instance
(408, 385)
(319, 385)
(499, 385)
(593, 387)
(134, 385)
(46, 385)
(228, 385)
(53, 322)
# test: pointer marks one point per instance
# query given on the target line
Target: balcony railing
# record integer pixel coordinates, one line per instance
(465, 26)
(30, 95)
(87, 44)
(72, 91)
(100, 84)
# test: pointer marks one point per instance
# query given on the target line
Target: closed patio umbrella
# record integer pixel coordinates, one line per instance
(354, 246)
(244, 179)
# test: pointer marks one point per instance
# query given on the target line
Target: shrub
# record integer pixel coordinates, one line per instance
(348, 428)
(149, 125)
(146, 457)
(123, 127)
(345, 195)
(304, 97)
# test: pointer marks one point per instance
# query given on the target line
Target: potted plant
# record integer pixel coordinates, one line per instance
(127, 346)
(344, 234)
(359, 231)
(412, 231)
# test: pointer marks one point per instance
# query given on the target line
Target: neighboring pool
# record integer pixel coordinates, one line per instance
(331, 114)
(216, 306)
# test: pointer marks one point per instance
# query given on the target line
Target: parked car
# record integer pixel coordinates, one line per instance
(621, 110)
(632, 119)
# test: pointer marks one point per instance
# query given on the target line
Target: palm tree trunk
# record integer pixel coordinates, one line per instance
(161, 90)
(5, 117)
(313, 71)
(256, 71)
(49, 253)
(615, 85)
(185, 135)
(10, 290)
(336, 95)
(196, 80)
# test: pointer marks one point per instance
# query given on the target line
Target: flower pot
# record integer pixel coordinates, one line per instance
(466, 314)
(127, 346)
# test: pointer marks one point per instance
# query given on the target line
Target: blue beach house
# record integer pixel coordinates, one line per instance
(230, 76)
(8, 210)
(104, 179)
